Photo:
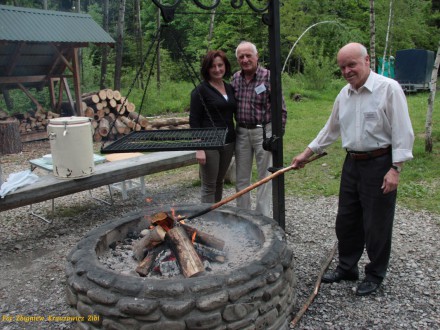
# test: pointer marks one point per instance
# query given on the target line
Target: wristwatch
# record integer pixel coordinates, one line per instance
(397, 168)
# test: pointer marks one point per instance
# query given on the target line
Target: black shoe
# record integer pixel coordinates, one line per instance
(366, 288)
(336, 276)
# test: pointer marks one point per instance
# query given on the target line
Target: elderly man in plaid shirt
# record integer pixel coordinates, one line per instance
(252, 91)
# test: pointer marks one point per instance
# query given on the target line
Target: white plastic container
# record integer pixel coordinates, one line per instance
(71, 145)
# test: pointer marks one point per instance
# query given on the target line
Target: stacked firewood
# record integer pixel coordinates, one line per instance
(114, 116)
(34, 120)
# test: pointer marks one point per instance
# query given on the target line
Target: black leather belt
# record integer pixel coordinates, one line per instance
(364, 155)
(250, 126)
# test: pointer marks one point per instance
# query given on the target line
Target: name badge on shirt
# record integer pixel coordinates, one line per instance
(260, 89)
(370, 116)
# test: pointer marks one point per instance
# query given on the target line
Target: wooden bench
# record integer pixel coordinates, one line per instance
(49, 187)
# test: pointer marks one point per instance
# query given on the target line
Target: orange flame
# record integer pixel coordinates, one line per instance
(193, 238)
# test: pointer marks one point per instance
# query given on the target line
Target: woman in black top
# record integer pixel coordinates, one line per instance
(213, 105)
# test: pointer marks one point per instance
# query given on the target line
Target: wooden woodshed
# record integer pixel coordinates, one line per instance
(39, 48)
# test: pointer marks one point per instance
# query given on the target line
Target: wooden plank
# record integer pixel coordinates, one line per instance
(22, 79)
(49, 186)
(33, 136)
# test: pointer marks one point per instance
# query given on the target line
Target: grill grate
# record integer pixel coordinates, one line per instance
(164, 140)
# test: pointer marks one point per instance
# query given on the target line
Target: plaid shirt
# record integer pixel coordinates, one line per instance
(253, 107)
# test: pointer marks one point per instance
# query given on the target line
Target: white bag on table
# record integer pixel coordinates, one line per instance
(17, 180)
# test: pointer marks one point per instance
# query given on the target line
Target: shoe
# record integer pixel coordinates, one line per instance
(366, 288)
(336, 276)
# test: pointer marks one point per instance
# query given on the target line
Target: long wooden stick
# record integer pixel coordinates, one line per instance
(245, 190)
(316, 289)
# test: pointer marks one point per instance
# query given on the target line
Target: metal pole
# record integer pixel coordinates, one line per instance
(278, 196)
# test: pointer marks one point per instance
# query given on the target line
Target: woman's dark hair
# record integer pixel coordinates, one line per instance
(207, 63)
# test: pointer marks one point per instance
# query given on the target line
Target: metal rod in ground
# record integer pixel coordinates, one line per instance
(247, 189)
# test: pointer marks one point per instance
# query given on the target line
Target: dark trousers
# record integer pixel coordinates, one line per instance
(365, 216)
(214, 171)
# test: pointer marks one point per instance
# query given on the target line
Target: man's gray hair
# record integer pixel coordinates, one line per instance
(364, 51)
(253, 47)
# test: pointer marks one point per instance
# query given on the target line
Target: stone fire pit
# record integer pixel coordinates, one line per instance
(257, 293)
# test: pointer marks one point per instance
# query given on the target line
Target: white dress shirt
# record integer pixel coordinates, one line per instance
(372, 117)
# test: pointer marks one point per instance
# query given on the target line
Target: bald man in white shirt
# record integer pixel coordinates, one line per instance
(370, 114)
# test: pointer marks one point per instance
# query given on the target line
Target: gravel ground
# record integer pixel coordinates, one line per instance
(32, 253)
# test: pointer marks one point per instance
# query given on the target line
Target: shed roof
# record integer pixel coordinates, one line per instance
(36, 25)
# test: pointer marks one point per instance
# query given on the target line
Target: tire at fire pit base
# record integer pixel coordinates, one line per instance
(259, 294)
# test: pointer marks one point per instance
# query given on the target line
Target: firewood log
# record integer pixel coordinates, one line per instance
(204, 238)
(99, 106)
(144, 266)
(210, 253)
(104, 127)
(146, 243)
(162, 122)
(53, 114)
(112, 103)
(40, 114)
(130, 107)
(83, 106)
(97, 137)
(100, 113)
(102, 94)
(189, 260)
(157, 123)
(127, 121)
(141, 120)
(120, 126)
(109, 93)
(163, 220)
(117, 95)
(89, 112)
(120, 109)
(91, 99)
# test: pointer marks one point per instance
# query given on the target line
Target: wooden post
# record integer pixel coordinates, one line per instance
(77, 81)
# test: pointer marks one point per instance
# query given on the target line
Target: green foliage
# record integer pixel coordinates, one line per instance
(318, 70)
(172, 97)
(299, 84)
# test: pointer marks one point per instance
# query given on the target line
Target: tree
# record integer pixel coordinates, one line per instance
(390, 15)
(104, 49)
(433, 87)
(138, 37)
(372, 37)
(119, 45)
